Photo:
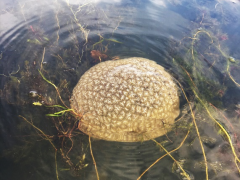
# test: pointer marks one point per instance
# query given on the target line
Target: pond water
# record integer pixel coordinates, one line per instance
(46, 46)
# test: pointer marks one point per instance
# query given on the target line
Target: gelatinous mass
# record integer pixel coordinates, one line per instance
(127, 100)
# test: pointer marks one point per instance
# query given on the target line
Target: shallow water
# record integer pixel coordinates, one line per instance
(190, 39)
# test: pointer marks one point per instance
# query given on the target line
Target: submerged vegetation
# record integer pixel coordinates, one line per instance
(40, 85)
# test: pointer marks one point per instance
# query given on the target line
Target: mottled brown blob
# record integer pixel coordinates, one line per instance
(127, 100)
(98, 56)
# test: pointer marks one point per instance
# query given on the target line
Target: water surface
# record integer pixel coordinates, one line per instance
(197, 40)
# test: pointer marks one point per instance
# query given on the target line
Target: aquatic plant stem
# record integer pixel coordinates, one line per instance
(56, 165)
(42, 59)
(39, 131)
(84, 31)
(47, 139)
(194, 38)
(196, 127)
(168, 153)
(223, 116)
(164, 156)
(94, 162)
(59, 113)
(56, 16)
(221, 127)
(218, 47)
(54, 87)
(228, 65)
(229, 74)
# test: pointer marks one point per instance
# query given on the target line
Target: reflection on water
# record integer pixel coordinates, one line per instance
(45, 47)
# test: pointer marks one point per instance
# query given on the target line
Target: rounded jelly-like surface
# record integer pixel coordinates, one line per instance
(127, 100)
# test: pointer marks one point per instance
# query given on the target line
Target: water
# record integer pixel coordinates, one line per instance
(58, 38)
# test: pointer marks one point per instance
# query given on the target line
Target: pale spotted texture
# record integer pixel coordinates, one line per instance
(129, 100)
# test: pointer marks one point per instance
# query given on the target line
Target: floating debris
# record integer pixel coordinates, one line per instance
(232, 59)
(37, 104)
(34, 41)
(33, 94)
